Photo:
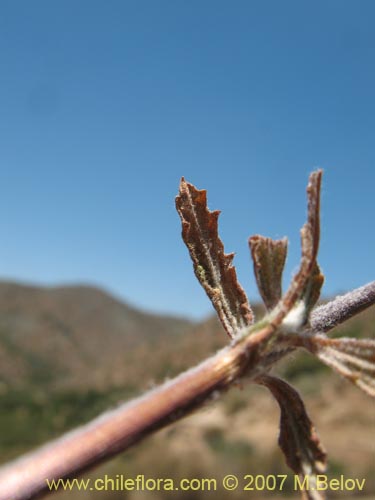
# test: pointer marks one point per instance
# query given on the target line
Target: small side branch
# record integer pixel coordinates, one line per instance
(342, 308)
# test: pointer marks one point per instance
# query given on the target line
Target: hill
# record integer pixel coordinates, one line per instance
(73, 336)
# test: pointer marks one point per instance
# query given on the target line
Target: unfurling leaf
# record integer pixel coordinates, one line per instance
(269, 259)
(310, 234)
(313, 286)
(298, 438)
(351, 358)
(212, 266)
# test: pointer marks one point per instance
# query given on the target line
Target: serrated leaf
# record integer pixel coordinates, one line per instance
(354, 359)
(298, 439)
(310, 234)
(269, 259)
(212, 266)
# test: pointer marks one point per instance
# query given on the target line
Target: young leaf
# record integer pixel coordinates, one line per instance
(351, 358)
(298, 439)
(313, 286)
(212, 266)
(310, 234)
(269, 259)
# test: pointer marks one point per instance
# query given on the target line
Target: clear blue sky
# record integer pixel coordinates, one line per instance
(105, 105)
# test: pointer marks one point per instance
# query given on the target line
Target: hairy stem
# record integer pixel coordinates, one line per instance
(342, 308)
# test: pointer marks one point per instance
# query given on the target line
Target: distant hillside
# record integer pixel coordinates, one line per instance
(80, 337)
(69, 353)
(73, 335)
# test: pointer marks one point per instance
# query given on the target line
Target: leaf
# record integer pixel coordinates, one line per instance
(298, 439)
(269, 259)
(212, 266)
(310, 234)
(312, 289)
(352, 358)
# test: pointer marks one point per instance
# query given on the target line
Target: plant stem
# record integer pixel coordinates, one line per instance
(342, 308)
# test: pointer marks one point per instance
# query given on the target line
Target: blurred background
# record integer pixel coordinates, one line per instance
(104, 106)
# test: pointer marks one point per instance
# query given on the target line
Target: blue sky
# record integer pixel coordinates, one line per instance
(105, 105)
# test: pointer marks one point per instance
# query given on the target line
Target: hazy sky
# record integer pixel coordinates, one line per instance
(105, 105)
